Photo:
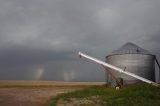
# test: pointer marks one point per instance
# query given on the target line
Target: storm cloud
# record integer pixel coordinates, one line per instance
(40, 39)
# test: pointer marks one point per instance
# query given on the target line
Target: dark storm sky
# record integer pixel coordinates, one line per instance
(40, 39)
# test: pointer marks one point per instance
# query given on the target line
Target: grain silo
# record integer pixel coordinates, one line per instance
(134, 59)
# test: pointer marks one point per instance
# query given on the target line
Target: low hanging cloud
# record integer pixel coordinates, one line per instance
(40, 39)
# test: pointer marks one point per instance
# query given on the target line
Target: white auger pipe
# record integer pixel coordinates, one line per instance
(118, 69)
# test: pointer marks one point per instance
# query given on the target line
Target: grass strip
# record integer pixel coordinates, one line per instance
(131, 95)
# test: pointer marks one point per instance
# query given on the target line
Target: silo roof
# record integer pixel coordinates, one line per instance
(130, 48)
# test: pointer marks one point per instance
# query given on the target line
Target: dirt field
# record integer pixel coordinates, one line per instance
(34, 93)
(12, 83)
(29, 96)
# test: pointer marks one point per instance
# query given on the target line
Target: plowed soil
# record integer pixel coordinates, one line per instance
(35, 93)
(29, 96)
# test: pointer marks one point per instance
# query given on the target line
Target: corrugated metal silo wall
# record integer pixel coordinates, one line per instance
(139, 64)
